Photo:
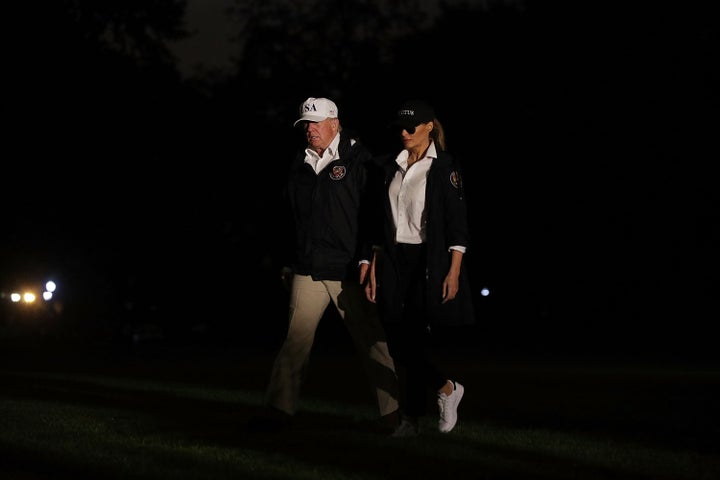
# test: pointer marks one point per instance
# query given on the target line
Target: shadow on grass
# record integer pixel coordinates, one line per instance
(184, 415)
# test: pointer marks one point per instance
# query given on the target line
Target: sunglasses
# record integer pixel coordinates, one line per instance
(409, 130)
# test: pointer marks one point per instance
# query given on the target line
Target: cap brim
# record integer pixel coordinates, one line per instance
(309, 118)
(403, 123)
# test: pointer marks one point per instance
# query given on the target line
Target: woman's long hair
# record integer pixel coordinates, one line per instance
(438, 134)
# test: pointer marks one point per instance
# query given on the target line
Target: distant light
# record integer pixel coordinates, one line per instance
(47, 295)
(15, 297)
(28, 297)
(485, 292)
(50, 286)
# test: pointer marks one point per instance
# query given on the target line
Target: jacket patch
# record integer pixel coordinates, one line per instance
(338, 172)
(455, 179)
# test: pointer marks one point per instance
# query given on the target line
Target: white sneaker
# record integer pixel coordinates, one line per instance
(409, 427)
(448, 407)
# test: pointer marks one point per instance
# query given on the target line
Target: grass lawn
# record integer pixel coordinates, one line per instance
(181, 413)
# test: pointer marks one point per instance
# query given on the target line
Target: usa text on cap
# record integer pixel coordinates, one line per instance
(317, 110)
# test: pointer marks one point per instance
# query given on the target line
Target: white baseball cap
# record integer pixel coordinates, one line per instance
(317, 110)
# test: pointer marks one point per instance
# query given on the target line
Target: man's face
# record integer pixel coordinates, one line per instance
(320, 134)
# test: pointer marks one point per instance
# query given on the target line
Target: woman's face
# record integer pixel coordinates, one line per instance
(416, 136)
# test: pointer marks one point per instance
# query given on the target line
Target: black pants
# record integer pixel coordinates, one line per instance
(409, 338)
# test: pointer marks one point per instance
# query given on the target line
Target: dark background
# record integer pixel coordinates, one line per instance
(587, 131)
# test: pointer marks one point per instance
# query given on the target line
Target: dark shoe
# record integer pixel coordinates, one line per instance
(409, 427)
(271, 420)
(388, 422)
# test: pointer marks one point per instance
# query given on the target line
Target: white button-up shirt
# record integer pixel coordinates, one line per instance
(407, 196)
(330, 154)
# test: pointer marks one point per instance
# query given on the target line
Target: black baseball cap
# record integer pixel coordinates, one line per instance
(412, 113)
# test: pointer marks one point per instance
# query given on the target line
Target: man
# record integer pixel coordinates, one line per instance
(329, 262)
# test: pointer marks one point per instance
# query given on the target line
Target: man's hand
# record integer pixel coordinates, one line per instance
(364, 268)
(286, 277)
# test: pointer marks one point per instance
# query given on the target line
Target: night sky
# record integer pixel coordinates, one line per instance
(587, 134)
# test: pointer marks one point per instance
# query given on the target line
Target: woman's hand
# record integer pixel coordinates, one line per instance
(451, 284)
(450, 287)
(371, 284)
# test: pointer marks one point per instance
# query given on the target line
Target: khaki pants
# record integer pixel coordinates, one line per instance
(308, 300)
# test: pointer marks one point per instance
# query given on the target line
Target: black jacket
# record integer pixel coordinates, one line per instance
(326, 211)
(447, 225)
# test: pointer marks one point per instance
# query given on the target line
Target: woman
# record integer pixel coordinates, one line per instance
(417, 276)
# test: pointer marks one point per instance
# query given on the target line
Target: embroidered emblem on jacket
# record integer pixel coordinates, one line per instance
(338, 172)
(455, 179)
